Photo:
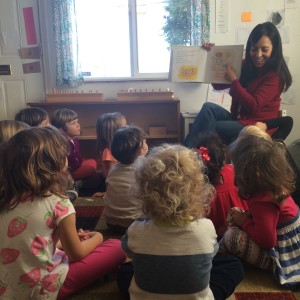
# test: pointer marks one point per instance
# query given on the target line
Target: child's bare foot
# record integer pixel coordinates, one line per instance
(261, 126)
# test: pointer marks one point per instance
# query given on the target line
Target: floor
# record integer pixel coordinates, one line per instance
(255, 280)
(107, 289)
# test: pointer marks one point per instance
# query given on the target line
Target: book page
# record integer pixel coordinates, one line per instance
(187, 64)
(195, 64)
(217, 59)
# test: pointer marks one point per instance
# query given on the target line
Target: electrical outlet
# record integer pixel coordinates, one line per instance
(283, 113)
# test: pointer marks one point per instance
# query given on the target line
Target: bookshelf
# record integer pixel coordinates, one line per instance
(159, 117)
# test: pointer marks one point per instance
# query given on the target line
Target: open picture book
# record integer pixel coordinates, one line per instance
(195, 64)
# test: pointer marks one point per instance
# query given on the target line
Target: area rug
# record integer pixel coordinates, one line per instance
(264, 296)
(88, 212)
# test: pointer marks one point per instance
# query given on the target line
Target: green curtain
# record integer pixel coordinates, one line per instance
(200, 20)
(65, 30)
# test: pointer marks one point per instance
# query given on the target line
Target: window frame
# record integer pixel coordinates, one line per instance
(135, 74)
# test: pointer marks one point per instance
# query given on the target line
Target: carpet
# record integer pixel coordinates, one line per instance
(264, 296)
(88, 212)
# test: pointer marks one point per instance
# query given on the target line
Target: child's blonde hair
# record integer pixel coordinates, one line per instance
(31, 162)
(8, 128)
(172, 186)
(106, 127)
(254, 130)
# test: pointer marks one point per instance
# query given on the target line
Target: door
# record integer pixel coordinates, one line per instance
(20, 33)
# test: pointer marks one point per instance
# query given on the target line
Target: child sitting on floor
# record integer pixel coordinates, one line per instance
(67, 121)
(255, 130)
(33, 116)
(10, 127)
(221, 176)
(267, 235)
(36, 217)
(173, 247)
(122, 207)
(107, 125)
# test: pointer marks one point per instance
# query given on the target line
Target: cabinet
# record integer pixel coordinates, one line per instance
(145, 114)
(186, 120)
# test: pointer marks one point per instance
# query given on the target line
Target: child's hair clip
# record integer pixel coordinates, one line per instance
(203, 152)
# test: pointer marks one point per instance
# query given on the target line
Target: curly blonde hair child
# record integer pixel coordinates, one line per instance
(173, 246)
(172, 186)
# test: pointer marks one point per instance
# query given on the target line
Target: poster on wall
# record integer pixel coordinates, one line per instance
(220, 97)
(29, 26)
(222, 11)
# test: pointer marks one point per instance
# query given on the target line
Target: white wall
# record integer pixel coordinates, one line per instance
(193, 95)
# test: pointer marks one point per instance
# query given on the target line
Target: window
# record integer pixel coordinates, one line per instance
(122, 39)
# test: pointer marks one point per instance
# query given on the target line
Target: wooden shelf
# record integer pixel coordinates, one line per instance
(144, 113)
(165, 136)
(75, 97)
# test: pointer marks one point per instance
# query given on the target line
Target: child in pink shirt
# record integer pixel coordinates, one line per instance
(42, 255)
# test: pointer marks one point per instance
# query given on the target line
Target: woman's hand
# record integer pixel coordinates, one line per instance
(230, 73)
(207, 46)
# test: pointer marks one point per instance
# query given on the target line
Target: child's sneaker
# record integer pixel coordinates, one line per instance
(72, 194)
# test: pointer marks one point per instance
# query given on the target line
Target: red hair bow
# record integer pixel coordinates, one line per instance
(203, 151)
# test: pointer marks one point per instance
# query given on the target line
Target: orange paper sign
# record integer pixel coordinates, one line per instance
(246, 16)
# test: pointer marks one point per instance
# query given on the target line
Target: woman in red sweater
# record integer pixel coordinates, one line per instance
(255, 96)
(267, 235)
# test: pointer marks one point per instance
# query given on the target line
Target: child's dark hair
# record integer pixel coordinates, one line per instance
(262, 166)
(61, 117)
(107, 125)
(216, 152)
(127, 143)
(31, 162)
(32, 116)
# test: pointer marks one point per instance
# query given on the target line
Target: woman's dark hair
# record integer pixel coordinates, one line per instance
(216, 152)
(276, 62)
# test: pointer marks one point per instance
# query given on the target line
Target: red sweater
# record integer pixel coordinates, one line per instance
(226, 198)
(74, 157)
(266, 215)
(260, 101)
